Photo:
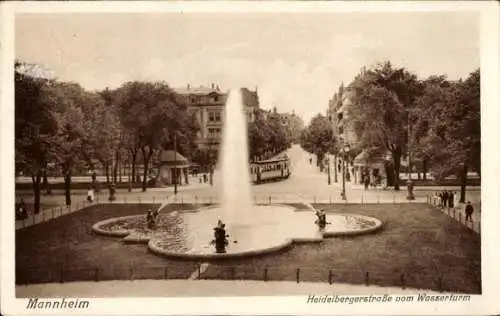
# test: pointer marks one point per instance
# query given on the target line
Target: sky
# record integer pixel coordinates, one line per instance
(296, 60)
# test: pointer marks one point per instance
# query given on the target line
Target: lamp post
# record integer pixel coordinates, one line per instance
(345, 152)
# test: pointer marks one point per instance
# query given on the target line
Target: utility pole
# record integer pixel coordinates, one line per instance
(175, 163)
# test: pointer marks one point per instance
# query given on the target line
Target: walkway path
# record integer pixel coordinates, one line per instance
(306, 185)
(178, 288)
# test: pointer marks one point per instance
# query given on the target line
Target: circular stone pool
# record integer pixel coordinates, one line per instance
(269, 228)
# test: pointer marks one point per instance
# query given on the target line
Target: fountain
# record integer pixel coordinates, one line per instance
(236, 227)
(236, 204)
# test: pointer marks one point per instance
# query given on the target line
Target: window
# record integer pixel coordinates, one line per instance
(214, 133)
(214, 116)
(340, 116)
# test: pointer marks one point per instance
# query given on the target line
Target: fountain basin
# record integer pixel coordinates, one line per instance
(270, 228)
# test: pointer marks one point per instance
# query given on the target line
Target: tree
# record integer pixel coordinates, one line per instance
(68, 100)
(35, 128)
(318, 137)
(258, 136)
(433, 97)
(152, 113)
(454, 137)
(295, 127)
(102, 131)
(381, 101)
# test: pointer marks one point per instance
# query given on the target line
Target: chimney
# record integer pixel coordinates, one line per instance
(275, 110)
(189, 86)
(218, 89)
(213, 86)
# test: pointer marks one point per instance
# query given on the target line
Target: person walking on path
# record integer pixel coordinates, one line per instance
(456, 200)
(451, 199)
(468, 211)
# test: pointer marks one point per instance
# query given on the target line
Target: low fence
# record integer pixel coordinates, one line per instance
(262, 199)
(204, 271)
(457, 213)
(50, 213)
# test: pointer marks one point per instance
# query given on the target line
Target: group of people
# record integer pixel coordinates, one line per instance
(367, 181)
(447, 199)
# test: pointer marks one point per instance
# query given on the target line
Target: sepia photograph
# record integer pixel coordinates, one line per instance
(333, 156)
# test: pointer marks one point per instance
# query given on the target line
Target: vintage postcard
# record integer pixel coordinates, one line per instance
(212, 158)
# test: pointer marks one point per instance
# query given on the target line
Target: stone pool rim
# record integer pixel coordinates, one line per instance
(287, 243)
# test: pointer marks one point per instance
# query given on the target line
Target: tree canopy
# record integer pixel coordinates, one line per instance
(318, 137)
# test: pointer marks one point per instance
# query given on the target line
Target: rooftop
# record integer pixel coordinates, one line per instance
(170, 156)
(200, 90)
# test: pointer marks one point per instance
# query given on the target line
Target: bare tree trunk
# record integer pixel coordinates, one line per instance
(335, 167)
(121, 171)
(106, 166)
(396, 156)
(36, 179)
(115, 167)
(146, 157)
(463, 183)
(133, 155)
(45, 181)
(425, 167)
(67, 185)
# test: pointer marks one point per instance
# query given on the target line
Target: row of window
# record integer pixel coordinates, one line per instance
(270, 167)
(214, 132)
(214, 116)
(203, 99)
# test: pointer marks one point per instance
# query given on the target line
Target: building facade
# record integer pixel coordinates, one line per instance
(207, 104)
(360, 165)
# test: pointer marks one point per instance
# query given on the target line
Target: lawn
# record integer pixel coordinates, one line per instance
(418, 247)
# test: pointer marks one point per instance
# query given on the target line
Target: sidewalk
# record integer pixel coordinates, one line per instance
(210, 288)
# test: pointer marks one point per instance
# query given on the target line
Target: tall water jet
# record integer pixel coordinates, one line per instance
(236, 187)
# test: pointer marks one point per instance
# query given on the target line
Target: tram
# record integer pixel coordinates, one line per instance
(276, 169)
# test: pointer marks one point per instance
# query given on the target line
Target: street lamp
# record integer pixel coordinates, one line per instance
(345, 152)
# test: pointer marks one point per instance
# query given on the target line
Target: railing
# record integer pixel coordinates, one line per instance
(204, 271)
(457, 213)
(200, 199)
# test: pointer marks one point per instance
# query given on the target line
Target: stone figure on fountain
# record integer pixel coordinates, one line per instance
(151, 219)
(321, 219)
(220, 237)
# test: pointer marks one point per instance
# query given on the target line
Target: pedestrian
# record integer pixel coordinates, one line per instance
(451, 199)
(445, 199)
(456, 200)
(468, 211)
(90, 195)
(23, 209)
